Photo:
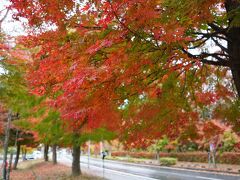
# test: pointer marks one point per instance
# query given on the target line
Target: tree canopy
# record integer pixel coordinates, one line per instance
(129, 66)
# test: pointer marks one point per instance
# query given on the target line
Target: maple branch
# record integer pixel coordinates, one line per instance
(5, 15)
(221, 37)
(217, 28)
(3, 10)
(214, 55)
(3, 18)
(124, 25)
(204, 37)
(84, 122)
(118, 19)
(218, 44)
(185, 82)
(198, 45)
(92, 27)
(215, 63)
(201, 58)
(209, 35)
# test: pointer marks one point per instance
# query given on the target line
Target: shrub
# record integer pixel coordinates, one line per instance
(188, 156)
(168, 161)
(161, 144)
(142, 155)
(224, 158)
(229, 141)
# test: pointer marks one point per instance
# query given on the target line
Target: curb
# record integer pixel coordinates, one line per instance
(210, 170)
(178, 167)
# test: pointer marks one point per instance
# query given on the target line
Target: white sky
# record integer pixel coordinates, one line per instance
(10, 26)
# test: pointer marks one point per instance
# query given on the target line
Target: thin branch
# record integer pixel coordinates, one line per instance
(184, 85)
(3, 10)
(201, 58)
(218, 29)
(215, 63)
(209, 35)
(221, 37)
(198, 45)
(118, 19)
(83, 123)
(214, 54)
(199, 39)
(92, 27)
(205, 34)
(3, 18)
(124, 25)
(221, 46)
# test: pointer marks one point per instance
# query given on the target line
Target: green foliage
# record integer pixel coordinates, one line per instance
(13, 90)
(224, 158)
(23, 123)
(96, 136)
(229, 141)
(168, 161)
(14, 94)
(191, 146)
(99, 135)
(231, 112)
(51, 129)
(161, 144)
(12, 150)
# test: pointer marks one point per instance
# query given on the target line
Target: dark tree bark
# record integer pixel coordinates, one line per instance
(76, 171)
(17, 156)
(9, 166)
(233, 37)
(46, 148)
(230, 55)
(5, 148)
(54, 154)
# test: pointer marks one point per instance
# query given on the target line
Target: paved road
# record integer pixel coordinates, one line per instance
(118, 171)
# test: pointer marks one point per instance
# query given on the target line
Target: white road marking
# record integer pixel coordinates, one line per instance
(124, 173)
(162, 167)
(145, 177)
(149, 178)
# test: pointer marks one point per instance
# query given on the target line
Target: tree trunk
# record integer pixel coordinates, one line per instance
(234, 51)
(54, 154)
(9, 166)
(233, 36)
(23, 157)
(5, 148)
(46, 147)
(158, 157)
(214, 159)
(17, 156)
(76, 171)
(25, 154)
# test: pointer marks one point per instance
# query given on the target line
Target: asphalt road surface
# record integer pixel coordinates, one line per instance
(115, 170)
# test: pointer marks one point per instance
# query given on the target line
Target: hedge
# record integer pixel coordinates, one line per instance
(224, 158)
(168, 161)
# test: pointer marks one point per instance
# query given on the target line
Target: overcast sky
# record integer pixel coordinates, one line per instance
(10, 26)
